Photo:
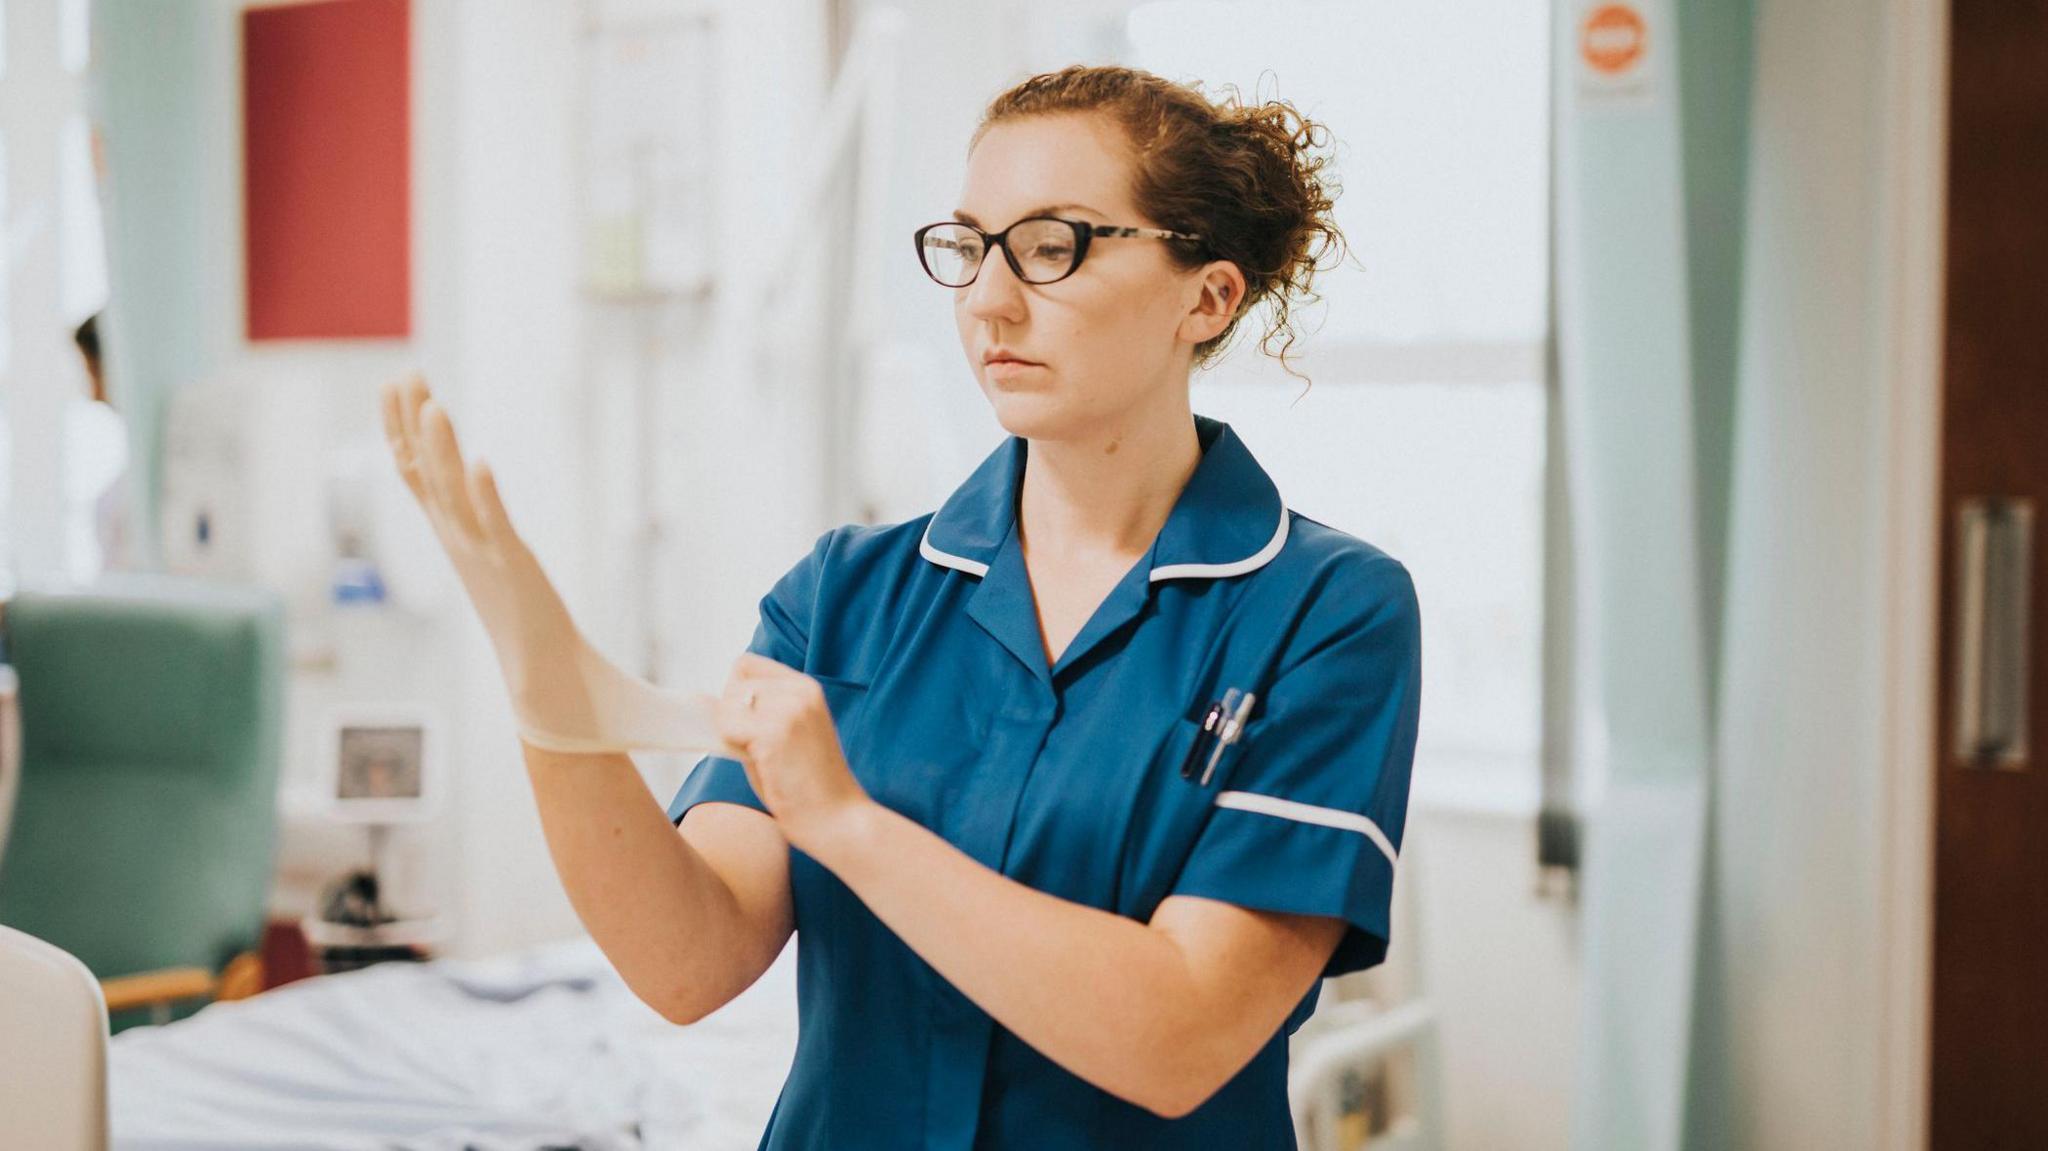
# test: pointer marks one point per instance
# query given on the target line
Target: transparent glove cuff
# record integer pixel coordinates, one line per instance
(601, 708)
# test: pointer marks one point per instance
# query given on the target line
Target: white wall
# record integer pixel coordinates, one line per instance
(1501, 966)
(511, 387)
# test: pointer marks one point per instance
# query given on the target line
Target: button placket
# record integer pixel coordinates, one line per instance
(980, 824)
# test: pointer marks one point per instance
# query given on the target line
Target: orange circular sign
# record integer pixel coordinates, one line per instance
(1613, 38)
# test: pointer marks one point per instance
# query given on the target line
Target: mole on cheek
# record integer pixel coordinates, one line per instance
(1111, 449)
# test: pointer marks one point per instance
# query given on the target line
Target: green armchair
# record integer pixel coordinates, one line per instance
(146, 747)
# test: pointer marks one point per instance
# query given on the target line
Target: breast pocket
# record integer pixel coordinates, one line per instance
(1188, 747)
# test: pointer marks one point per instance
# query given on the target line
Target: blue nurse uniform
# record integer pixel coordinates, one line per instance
(1067, 778)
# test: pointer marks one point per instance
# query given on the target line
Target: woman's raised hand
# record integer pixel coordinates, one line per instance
(566, 695)
(520, 609)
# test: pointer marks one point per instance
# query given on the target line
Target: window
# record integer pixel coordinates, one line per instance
(1423, 430)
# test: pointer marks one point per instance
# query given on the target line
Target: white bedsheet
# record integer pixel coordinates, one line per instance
(543, 1049)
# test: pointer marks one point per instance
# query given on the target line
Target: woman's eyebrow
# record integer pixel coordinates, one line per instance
(1047, 210)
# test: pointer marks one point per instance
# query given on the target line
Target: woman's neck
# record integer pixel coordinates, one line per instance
(1110, 491)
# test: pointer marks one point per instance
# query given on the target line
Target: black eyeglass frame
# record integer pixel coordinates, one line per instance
(1084, 231)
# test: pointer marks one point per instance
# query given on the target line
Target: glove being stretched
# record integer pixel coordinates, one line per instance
(566, 696)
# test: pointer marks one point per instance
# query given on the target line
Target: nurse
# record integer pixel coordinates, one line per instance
(960, 739)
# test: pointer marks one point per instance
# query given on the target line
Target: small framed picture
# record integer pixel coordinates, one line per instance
(381, 763)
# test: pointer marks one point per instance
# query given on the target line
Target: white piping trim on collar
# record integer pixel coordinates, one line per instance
(1308, 813)
(947, 559)
(1252, 562)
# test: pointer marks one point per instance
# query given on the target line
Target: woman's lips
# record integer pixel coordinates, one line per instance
(1007, 369)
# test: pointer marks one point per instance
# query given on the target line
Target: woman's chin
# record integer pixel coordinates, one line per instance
(1031, 414)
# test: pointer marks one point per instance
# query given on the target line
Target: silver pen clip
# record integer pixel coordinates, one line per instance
(1232, 725)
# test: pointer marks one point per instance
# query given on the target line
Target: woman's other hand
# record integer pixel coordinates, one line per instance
(790, 748)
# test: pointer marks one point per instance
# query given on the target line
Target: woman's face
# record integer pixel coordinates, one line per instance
(1107, 343)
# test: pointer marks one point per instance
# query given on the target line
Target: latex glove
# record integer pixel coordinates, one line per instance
(566, 696)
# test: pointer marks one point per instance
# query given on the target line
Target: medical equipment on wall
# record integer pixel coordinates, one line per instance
(381, 765)
(204, 513)
(355, 576)
(646, 162)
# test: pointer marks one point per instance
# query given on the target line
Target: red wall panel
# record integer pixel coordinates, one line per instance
(326, 120)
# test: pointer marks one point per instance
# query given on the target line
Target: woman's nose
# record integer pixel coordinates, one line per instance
(996, 293)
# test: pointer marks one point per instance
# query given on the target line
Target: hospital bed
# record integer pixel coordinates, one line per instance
(542, 1049)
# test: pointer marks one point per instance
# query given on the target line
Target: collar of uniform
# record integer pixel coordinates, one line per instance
(1228, 520)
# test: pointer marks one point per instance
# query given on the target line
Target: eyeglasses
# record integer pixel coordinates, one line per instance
(1040, 249)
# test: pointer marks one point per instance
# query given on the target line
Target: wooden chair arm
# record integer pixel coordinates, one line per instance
(242, 977)
(150, 987)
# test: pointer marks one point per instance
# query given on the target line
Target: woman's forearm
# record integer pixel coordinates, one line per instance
(1106, 997)
(653, 904)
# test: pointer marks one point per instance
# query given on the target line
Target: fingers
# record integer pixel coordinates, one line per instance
(444, 470)
(402, 404)
(403, 452)
(429, 458)
(774, 700)
(490, 509)
(738, 724)
(411, 394)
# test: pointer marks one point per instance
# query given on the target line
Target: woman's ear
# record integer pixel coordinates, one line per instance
(1219, 298)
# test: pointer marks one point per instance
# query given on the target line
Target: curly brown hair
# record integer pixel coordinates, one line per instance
(1242, 176)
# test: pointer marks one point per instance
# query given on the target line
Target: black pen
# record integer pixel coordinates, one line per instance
(1202, 738)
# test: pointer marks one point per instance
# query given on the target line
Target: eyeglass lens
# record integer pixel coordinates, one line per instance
(1044, 248)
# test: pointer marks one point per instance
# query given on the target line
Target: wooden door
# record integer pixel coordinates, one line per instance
(1989, 1062)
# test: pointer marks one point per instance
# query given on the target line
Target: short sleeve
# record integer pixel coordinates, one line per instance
(1309, 819)
(783, 635)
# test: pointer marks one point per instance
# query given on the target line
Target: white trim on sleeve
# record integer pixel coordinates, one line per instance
(1308, 813)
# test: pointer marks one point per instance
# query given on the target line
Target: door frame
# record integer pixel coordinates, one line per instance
(1914, 219)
